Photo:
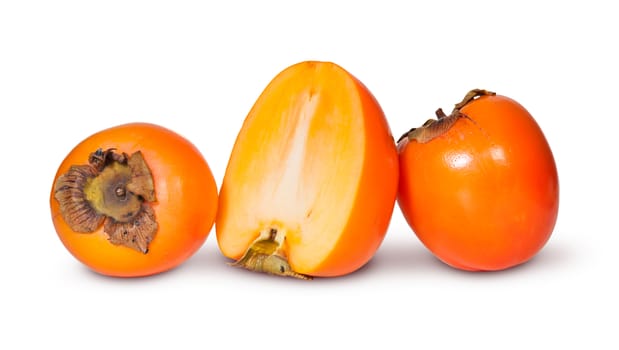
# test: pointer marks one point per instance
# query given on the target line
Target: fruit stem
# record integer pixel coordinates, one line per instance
(266, 255)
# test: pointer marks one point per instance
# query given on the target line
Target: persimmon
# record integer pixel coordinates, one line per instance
(311, 182)
(133, 200)
(479, 187)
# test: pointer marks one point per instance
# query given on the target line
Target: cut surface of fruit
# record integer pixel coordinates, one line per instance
(300, 170)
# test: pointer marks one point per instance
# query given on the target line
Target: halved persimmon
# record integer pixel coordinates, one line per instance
(133, 200)
(312, 179)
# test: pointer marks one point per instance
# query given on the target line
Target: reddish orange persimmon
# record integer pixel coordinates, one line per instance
(479, 187)
(133, 200)
(311, 182)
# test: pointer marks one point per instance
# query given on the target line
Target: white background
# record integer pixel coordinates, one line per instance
(71, 68)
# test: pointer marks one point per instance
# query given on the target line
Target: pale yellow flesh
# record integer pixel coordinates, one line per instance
(295, 167)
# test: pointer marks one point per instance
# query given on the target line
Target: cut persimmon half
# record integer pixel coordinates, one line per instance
(311, 183)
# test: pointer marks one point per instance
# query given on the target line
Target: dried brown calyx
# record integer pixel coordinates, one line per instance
(433, 128)
(113, 190)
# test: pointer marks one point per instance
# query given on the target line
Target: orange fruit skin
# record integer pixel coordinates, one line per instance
(376, 197)
(185, 209)
(484, 195)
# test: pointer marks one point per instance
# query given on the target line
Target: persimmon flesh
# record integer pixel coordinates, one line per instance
(311, 182)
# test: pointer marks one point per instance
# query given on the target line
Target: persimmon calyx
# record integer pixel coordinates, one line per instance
(266, 255)
(434, 128)
(112, 190)
(469, 97)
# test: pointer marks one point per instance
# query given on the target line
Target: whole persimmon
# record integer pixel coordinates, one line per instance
(133, 200)
(479, 187)
(311, 183)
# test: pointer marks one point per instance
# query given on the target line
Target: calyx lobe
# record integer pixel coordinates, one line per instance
(434, 128)
(113, 190)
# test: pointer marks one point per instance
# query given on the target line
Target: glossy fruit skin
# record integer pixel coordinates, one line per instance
(376, 196)
(484, 195)
(185, 208)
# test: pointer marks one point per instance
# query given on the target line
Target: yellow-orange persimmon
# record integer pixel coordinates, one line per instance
(133, 200)
(479, 187)
(312, 179)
